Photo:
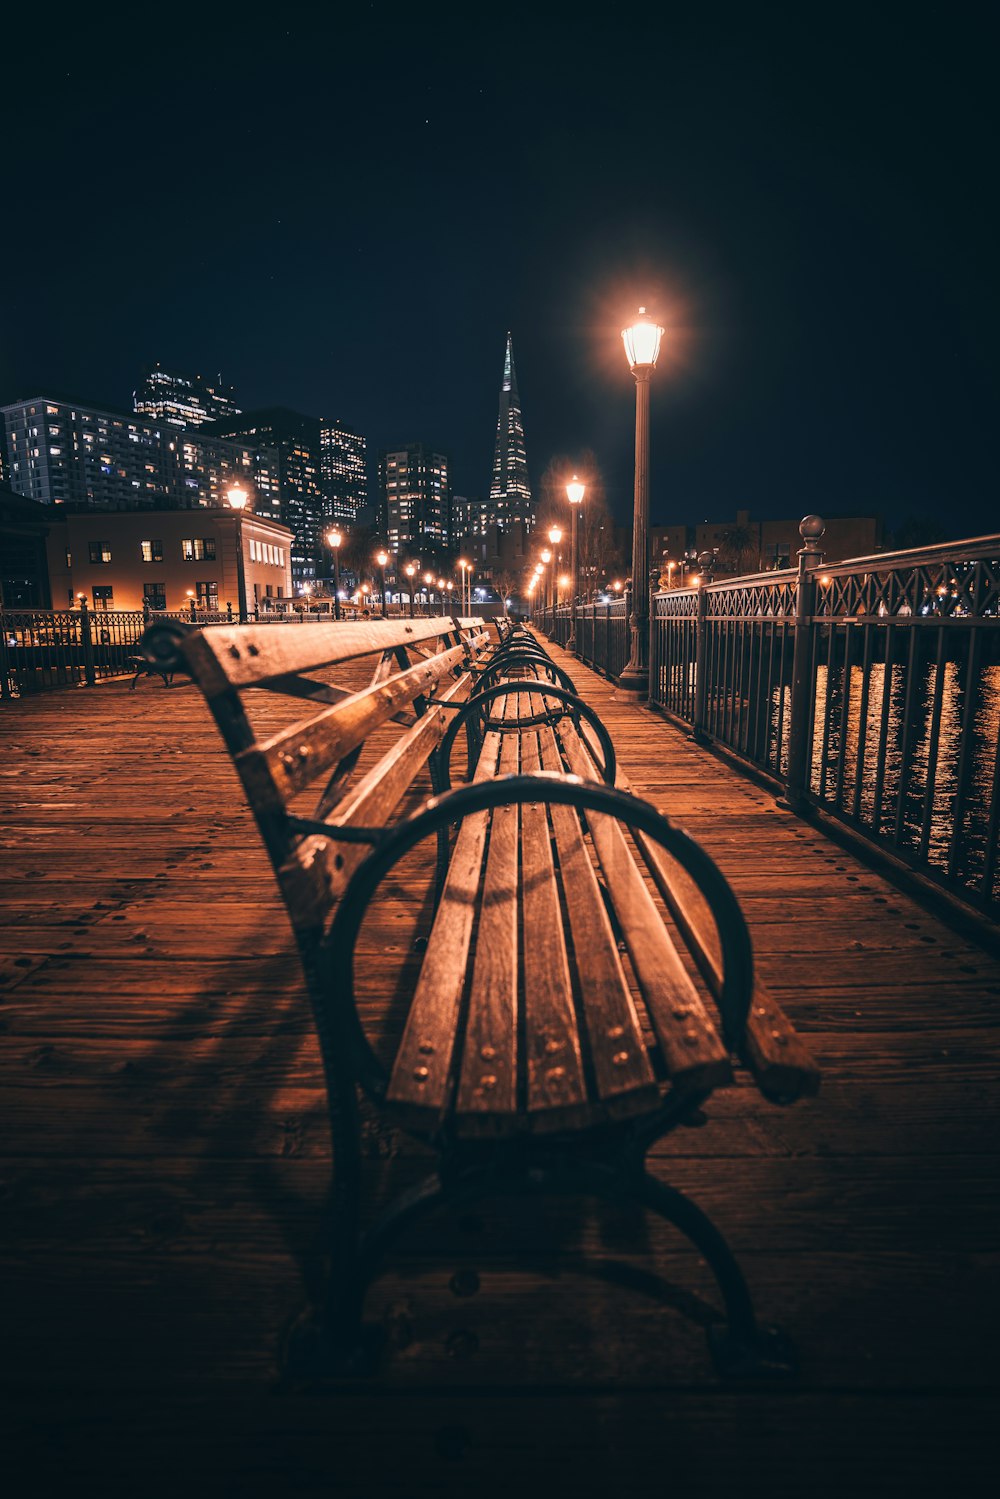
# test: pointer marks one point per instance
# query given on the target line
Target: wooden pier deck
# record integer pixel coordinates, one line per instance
(164, 1159)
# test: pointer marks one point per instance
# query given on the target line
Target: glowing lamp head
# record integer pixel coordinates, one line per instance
(410, 569)
(237, 497)
(334, 538)
(575, 491)
(428, 579)
(539, 569)
(555, 535)
(642, 341)
(381, 558)
(564, 581)
(546, 556)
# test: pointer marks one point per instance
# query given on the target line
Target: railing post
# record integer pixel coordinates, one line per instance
(89, 674)
(5, 691)
(700, 666)
(811, 528)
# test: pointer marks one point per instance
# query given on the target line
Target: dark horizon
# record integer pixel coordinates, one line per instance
(345, 218)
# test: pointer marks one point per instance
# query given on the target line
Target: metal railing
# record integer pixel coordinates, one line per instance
(602, 637)
(870, 689)
(42, 649)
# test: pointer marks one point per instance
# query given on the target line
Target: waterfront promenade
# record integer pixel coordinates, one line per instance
(165, 1158)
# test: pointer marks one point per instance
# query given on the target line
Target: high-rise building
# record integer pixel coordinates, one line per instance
(183, 400)
(415, 492)
(343, 467)
(510, 491)
(61, 452)
(295, 438)
(470, 518)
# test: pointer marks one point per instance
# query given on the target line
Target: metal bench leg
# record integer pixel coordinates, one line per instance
(741, 1348)
(333, 1341)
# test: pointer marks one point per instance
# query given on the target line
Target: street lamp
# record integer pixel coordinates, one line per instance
(382, 558)
(546, 557)
(429, 586)
(334, 538)
(238, 497)
(410, 570)
(575, 491)
(465, 579)
(642, 345)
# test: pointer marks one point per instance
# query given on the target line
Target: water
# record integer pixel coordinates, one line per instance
(931, 782)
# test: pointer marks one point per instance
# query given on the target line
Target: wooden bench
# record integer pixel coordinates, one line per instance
(554, 1031)
(143, 668)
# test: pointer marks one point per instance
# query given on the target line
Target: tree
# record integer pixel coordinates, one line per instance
(739, 549)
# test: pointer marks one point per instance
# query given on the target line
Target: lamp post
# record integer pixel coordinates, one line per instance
(334, 538)
(546, 557)
(555, 537)
(574, 493)
(410, 570)
(382, 558)
(642, 345)
(465, 580)
(238, 497)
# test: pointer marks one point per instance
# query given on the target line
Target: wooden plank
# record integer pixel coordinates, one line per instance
(421, 1084)
(621, 1068)
(776, 1055)
(279, 767)
(556, 1084)
(694, 1055)
(487, 1096)
(228, 656)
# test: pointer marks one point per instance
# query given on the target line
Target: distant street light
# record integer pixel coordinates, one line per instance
(574, 493)
(382, 558)
(410, 570)
(238, 497)
(642, 346)
(334, 537)
(466, 569)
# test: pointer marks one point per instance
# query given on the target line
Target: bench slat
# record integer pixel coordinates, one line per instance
(694, 1055)
(556, 1084)
(622, 1070)
(277, 769)
(487, 1088)
(371, 802)
(774, 1052)
(228, 656)
(421, 1081)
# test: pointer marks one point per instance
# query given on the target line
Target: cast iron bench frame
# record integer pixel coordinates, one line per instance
(329, 868)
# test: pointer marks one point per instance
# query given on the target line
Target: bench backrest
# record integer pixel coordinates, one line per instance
(416, 667)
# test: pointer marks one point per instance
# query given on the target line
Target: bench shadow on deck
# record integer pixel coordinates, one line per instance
(165, 1159)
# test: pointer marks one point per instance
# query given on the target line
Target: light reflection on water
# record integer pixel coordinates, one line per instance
(930, 766)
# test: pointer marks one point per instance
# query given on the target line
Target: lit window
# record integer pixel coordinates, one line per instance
(152, 551)
(200, 549)
(104, 598)
(100, 551)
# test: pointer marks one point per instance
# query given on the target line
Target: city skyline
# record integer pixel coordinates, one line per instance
(803, 210)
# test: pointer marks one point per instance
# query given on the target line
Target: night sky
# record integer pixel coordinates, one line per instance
(346, 215)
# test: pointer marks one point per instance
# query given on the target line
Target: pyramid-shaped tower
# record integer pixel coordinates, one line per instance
(510, 492)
